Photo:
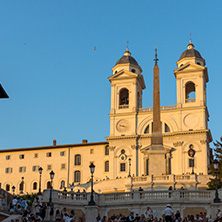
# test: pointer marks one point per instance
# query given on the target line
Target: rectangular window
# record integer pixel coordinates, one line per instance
(107, 166)
(21, 156)
(49, 154)
(36, 155)
(91, 151)
(8, 157)
(8, 170)
(191, 162)
(22, 169)
(49, 167)
(63, 166)
(122, 167)
(106, 150)
(35, 168)
(62, 153)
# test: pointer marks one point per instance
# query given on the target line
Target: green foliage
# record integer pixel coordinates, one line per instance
(218, 156)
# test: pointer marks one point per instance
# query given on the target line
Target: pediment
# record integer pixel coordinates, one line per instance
(122, 74)
(189, 66)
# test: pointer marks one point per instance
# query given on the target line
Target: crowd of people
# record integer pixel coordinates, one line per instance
(168, 215)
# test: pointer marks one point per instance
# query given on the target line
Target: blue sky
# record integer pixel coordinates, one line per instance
(58, 85)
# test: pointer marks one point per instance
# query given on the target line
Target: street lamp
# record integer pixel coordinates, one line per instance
(92, 169)
(50, 197)
(22, 186)
(129, 167)
(13, 190)
(40, 175)
(216, 165)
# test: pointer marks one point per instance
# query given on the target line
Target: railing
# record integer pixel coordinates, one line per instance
(72, 195)
(149, 109)
(190, 100)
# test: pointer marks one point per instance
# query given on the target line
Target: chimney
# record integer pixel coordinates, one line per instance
(84, 141)
(54, 142)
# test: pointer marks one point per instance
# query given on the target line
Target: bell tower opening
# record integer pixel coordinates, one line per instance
(190, 92)
(124, 98)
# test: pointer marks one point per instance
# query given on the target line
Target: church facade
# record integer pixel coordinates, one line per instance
(126, 155)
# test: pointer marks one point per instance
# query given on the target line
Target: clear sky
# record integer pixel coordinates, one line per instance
(58, 84)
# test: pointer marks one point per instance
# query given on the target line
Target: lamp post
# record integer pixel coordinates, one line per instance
(50, 197)
(216, 165)
(22, 186)
(129, 167)
(40, 175)
(13, 190)
(92, 169)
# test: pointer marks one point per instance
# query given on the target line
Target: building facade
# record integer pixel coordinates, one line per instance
(185, 132)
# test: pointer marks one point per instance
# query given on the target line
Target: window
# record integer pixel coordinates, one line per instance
(62, 184)
(107, 166)
(63, 166)
(122, 167)
(22, 169)
(35, 155)
(147, 130)
(133, 70)
(8, 157)
(21, 187)
(191, 162)
(124, 98)
(34, 186)
(35, 168)
(77, 159)
(106, 150)
(190, 92)
(49, 167)
(91, 151)
(7, 187)
(49, 154)
(147, 166)
(48, 185)
(167, 128)
(8, 170)
(62, 153)
(22, 156)
(77, 176)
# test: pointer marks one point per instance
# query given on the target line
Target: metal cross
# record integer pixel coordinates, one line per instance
(156, 59)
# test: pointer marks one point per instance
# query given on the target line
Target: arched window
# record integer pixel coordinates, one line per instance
(147, 130)
(48, 185)
(106, 150)
(7, 187)
(35, 186)
(107, 166)
(167, 128)
(62, 184)
(124, 98)
(77, 176)
(190, 92)
(77, 160)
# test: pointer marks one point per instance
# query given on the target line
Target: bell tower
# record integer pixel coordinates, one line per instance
(127, 84)
(191, 76)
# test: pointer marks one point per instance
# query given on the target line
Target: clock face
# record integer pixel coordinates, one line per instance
(122, 125)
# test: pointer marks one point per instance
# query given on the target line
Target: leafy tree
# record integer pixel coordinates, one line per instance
(218, 156)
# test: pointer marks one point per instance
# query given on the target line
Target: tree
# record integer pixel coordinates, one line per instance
(218, 156)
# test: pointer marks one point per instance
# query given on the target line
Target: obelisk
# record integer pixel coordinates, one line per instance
(157, 137)
(156, 152)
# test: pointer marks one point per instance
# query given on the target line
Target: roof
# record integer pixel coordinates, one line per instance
(190, 52)
(127, 58)
(3, 94)
(53, 147)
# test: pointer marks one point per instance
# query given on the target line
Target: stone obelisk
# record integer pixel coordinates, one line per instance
(157, 162)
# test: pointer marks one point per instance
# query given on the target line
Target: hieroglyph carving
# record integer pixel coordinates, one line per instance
(178, 143)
